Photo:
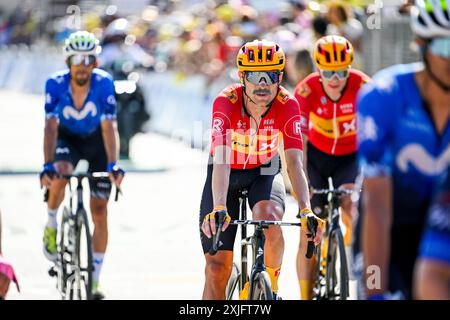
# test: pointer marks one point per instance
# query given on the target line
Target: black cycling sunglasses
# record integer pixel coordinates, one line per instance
(255, 77)
(79, 59)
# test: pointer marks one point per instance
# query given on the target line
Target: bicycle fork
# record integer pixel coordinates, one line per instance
(244, 241)
(257, 242)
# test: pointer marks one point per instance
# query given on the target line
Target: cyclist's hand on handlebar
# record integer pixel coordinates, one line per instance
(313, 231)
(47, 174)
(116, 173)
(209, 222)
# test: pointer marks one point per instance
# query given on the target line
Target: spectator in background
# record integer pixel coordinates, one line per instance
(119, 44)
(304, 65)
(320, 26)
(343, 23)
(300, 14)
(6, 271)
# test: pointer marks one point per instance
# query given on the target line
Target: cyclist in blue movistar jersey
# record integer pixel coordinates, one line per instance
(80, 113)
(404, 148)
(432, 272)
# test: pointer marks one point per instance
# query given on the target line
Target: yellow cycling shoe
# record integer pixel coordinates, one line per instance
(243, 295)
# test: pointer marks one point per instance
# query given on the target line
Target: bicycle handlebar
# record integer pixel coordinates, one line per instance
(82, 176)
(338, 192)
(220, 218)
(264, 223)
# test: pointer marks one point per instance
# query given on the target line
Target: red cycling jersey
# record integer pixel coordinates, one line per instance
(330, 125)
(252, 147)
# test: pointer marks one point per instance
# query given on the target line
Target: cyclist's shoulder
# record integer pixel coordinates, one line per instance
(390, 81)
(358, 77)
(101, 76)
(285, 99)
(312, 79)
(59, 77)
(229, 96)
(308, 86)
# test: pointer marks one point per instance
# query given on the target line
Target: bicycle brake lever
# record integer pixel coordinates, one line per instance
(46, 195)
(215, 243)
(118, 191)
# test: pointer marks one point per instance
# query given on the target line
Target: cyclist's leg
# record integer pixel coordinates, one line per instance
(267, 199)
(318, 179)
(344, 177)
(218, 267)
(65, 159)
(100, 190)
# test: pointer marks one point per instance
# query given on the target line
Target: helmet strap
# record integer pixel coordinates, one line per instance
(433, 77)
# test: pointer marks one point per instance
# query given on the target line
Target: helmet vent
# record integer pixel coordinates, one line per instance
(269, 54)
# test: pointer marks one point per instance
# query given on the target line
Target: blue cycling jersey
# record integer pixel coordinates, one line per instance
(100, 103)
(397, 138)
(436, 239)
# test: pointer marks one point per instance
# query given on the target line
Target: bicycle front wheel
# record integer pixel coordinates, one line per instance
(262, 288)
(83, 258)
(64, 252)
(337, 278)
(232, 282)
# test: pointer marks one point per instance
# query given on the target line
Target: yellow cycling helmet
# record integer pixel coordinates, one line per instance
(333, 53)
(260, 55)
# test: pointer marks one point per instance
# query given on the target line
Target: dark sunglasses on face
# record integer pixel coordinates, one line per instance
(328, 75)
(256, 77)
(79, 59)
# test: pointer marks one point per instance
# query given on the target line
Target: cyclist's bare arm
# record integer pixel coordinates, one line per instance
(50, 136)
(305, 154)
(220, 182)
(297, 176)
(376, 231)
(221, 175)
(111, 139)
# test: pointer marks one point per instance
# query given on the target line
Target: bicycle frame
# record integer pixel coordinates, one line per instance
(66, 280)
(257, 241)
(244, 254)
(332, 226)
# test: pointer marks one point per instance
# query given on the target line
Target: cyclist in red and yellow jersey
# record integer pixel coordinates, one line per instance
(249, 122)
(327, 101)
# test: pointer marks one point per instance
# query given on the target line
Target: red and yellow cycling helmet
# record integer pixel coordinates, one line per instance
(260, 55)
(333, 53)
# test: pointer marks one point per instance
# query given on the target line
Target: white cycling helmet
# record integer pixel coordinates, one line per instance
(431, 18)
(82, 42)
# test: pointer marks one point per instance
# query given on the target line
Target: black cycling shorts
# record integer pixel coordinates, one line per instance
(73, 148)
(260, 187)
(343, 169)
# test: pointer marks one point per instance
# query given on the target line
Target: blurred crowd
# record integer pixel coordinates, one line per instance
(198, 37)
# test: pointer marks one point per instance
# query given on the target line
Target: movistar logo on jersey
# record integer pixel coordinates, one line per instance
(416, 155)
(70, 112)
